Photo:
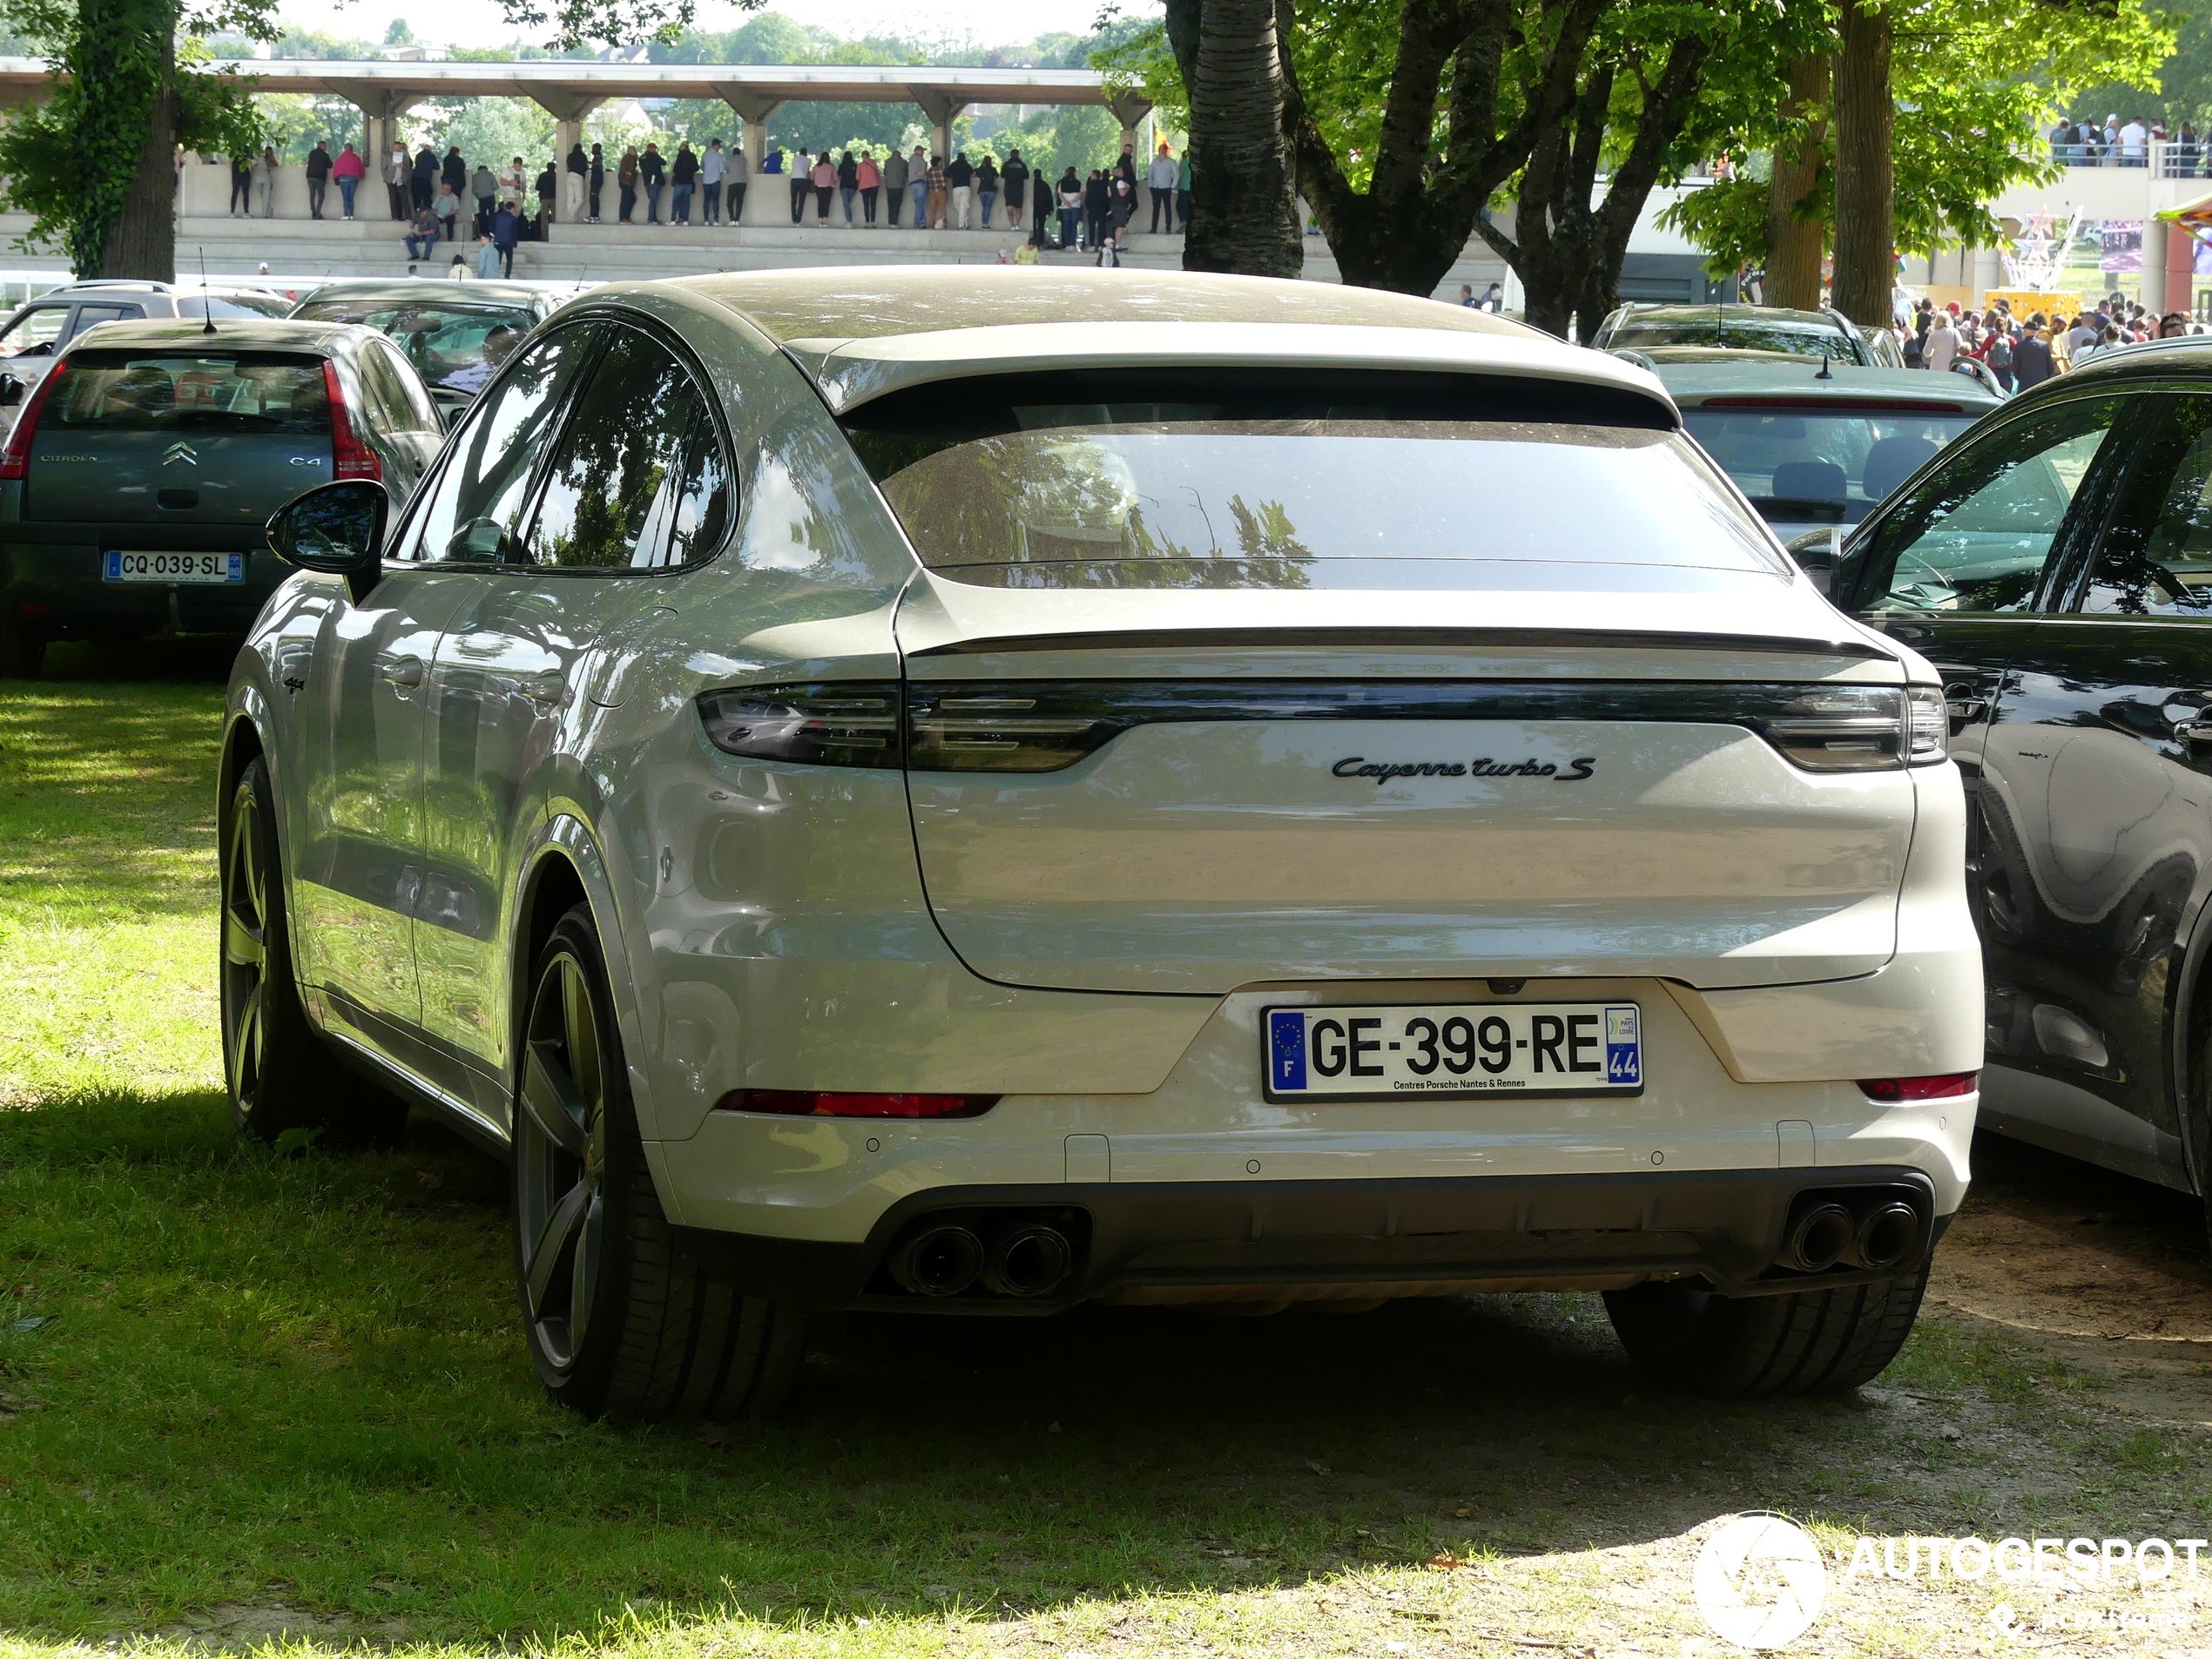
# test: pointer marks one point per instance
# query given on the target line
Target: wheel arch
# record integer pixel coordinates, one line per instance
(2188, 1025)
(564, 868)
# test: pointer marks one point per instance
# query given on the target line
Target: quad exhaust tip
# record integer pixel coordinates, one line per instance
(1873, 1232)
(1818, 1238)
(1027, 1261)
(940, 1260)
(1888, 1234)
(1016, 1257)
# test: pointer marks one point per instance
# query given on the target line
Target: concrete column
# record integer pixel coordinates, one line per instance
(2181, 270)
(754, 109)
(1130, 110)
(568, 110)
(940, 109)
(2156, 234)
(380, 111)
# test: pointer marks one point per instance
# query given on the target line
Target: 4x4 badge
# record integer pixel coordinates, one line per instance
(177, 452)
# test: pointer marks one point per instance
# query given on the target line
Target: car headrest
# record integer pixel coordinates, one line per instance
(1811, 481)
(1890, 461)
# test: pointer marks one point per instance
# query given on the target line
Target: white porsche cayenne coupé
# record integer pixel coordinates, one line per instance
(975, 791)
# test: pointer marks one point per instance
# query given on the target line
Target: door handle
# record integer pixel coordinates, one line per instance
(548, 689)
(402, 671)
(2194, 732)
(1965, 709)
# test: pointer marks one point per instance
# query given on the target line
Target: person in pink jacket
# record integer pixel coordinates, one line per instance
(348, 170)
(871, 178)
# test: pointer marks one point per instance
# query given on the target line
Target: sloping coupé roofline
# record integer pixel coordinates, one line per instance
(862, 332)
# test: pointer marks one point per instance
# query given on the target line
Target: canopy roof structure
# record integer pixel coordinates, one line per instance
(570, 89)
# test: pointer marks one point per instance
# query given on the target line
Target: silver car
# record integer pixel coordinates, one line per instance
(983, 790)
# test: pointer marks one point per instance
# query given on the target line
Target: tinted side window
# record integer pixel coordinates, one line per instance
(475, 511)
(87, 315)
(637, 481)
(36, 333)
(2156, 556)
(1977, 533)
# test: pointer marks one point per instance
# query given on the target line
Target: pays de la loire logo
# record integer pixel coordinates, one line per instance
(1759, 1580)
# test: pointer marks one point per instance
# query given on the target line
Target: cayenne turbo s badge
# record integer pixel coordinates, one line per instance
(1383, 770)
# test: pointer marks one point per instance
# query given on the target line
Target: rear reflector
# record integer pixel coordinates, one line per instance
(1897, 1090)
(803, 1103)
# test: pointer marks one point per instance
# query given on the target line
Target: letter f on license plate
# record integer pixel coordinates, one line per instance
(1453, 1048)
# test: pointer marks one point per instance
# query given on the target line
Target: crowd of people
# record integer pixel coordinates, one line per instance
(931, 192)
(444, 199)
(2021, 352)
(2115, 143)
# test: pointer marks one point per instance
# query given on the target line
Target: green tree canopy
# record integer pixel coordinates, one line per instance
(1977, 85)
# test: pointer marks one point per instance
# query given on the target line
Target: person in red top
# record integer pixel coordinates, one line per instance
(871, 178)
(348, 170)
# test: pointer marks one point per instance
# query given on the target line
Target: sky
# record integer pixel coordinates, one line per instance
(481, 23)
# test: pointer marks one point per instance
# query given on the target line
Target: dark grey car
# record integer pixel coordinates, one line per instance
(135, 484)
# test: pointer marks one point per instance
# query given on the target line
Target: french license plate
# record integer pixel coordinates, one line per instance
(209, 569)
(1465, 1049)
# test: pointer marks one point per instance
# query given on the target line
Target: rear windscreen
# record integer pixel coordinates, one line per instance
(1735, 332)
(1283, 474)
(241, 391)
(451, 343)
(1815, 465)
(235, 305)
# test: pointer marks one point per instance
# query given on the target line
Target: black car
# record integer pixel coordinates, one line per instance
(141, 469)
(2056, 565)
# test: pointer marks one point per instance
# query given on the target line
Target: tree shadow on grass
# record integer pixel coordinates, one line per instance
(300, 1379)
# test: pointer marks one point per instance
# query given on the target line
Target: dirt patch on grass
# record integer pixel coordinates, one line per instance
(2103, 1272)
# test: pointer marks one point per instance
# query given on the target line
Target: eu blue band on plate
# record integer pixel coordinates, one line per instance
(1286, 1049)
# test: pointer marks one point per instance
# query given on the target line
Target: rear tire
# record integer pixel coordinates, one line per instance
(620, 1322)
(1731, 1347)
(282, 1075)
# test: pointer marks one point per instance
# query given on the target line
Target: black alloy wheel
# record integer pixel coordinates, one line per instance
(281, 1075)
(561, 1159)
(245, 954)
(621, 1323)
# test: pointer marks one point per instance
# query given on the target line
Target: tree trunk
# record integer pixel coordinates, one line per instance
(1566, 247)
(1413, 222)
(1243, 210)
(1865, 172)
(1794, 227)
(142, 240)
(122, 64)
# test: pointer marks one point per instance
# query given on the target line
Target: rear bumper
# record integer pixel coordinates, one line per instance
(1220, 1241)
(50, 579)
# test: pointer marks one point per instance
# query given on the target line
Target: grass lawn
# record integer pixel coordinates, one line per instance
(247, 1399)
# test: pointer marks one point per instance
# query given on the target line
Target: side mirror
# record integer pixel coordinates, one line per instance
(10, 391)
(337, 529)
(1817, 553)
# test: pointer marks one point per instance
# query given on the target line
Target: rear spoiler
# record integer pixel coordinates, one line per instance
(1412, 639)
(848, 373)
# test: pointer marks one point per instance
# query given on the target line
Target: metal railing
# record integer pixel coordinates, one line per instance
(2164, 158)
